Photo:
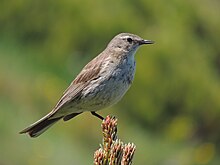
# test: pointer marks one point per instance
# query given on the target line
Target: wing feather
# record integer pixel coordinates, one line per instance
(89, 72)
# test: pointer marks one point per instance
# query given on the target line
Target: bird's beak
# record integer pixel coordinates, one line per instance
(146, 42)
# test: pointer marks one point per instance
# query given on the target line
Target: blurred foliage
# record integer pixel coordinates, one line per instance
(172, 110)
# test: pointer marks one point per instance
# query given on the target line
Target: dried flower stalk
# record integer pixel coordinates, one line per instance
(113, 151)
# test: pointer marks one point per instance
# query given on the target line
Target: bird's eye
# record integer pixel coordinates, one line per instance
(129, 40)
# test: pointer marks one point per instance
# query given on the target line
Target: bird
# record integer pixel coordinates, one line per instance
(100, 84)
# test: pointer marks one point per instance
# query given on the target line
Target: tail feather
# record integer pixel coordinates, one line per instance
(40, 126)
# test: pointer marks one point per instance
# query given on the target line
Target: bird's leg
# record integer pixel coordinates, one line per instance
(97, 115)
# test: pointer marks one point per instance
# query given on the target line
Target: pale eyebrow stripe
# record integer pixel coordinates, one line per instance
(124, 37)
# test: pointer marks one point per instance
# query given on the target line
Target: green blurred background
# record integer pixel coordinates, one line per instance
(172, 110)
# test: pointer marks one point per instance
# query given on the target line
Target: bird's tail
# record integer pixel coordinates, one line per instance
(37, 128)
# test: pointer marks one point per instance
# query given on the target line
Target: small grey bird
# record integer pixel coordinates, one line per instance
(100, 84)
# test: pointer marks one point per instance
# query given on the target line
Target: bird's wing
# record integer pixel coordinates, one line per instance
(88, 73)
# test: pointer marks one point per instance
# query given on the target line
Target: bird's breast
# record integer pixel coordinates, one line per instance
(119, 79)
(113, 82)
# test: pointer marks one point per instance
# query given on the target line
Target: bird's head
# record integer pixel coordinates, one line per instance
(127, 42)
